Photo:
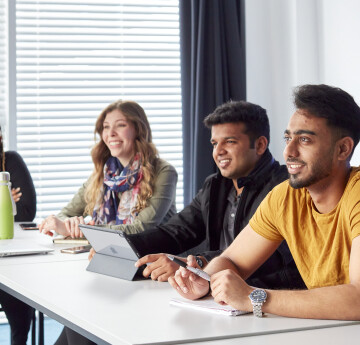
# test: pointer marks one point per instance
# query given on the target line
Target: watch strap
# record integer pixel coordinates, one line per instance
(257, 309)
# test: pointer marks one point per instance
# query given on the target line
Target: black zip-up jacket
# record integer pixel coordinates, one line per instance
(202, 222)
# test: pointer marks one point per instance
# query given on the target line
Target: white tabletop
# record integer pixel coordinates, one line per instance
(116, 311)
(125, 312)
(344, 335)
(35, 237)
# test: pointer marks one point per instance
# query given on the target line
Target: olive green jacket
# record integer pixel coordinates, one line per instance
(160, 207)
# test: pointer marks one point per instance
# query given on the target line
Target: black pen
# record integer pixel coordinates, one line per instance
(194, 270)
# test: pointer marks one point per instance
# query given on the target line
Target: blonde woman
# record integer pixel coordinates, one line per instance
(131, 188)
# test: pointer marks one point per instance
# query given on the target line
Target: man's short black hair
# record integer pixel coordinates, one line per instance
(253, 116)
(333, 104)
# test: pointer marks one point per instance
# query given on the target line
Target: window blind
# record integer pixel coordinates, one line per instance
(73, 58)
(3, 64)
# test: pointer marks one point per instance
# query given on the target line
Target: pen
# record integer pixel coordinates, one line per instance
(194, 270)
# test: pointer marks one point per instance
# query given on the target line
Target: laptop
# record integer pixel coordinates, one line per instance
(13, 248)
(115, 254)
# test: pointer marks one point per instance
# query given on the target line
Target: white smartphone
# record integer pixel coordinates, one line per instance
(76, 250)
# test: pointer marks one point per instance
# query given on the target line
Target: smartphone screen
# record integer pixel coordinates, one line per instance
(29, 226)
(76, 250)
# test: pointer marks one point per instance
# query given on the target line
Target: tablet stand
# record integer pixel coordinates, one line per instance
(113, 266)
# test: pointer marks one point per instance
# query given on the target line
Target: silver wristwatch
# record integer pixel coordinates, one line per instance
(258, 298)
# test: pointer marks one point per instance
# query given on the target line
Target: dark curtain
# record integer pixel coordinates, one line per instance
(212, 41)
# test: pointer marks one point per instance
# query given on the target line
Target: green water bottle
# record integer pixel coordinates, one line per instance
(6, 208)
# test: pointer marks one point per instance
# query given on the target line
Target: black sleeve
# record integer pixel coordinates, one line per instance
(20, 177)
(183, 231)
(209, 255)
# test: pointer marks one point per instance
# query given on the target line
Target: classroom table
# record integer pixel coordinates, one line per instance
(114, 311)
(35, 237)
(344, 335)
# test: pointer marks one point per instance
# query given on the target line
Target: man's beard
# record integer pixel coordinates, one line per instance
(319, 172)
(312, 179)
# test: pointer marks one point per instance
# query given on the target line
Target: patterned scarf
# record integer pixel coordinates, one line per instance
(118, 179)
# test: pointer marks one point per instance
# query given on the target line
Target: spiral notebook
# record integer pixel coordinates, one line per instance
(207, 304)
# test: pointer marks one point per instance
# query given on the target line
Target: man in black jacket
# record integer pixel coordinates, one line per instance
(222, 208)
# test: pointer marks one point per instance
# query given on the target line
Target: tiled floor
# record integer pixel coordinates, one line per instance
(52, 331)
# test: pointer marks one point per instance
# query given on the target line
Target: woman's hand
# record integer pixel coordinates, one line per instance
(72, 225)
(16, 194)
(55, 224)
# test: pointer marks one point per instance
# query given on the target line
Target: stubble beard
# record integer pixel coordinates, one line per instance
(319, 172)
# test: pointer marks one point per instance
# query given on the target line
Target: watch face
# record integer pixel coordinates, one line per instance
(258, 295)
(199, 261)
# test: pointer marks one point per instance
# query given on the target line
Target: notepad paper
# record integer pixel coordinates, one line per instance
(70, 240)
(207, 304)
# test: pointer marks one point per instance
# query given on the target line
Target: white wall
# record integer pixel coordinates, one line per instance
(293, 42)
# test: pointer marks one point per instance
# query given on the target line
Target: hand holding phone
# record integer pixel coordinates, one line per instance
(76, 250)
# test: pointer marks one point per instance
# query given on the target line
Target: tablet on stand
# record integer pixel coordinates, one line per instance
(115, 255)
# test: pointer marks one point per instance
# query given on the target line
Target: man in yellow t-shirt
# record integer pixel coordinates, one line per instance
(317, 211)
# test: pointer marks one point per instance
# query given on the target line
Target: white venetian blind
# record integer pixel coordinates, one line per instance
(3, 63)
(74, 58)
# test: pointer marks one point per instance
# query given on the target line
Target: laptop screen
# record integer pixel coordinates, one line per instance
(12, 248)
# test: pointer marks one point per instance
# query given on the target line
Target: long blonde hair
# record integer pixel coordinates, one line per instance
(100, 153)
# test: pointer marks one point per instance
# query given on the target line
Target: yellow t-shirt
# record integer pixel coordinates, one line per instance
(320, 243)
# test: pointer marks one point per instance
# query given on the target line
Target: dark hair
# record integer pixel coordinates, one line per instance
(253, 116)
(333, 104)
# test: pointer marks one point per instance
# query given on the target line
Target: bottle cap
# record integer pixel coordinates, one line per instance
(4, 176)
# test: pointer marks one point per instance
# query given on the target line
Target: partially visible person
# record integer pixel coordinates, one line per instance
(131, 189)
(317, 212)
(19, 314)
(23, 190)
(240, 135)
